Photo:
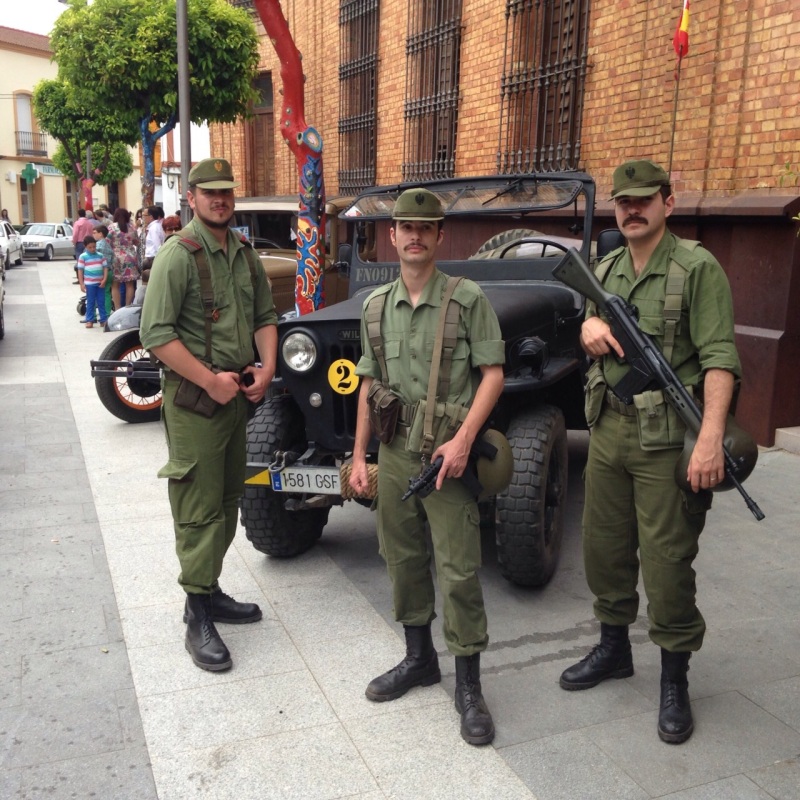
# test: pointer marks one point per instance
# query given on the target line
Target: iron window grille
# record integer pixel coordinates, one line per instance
(358, 46)
(433, 60)
(543, 83)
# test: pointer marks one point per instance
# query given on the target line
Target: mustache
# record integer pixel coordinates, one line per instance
(634, 218)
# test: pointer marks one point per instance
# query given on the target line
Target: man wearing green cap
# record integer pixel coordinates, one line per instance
(207, 298)
(632, 499)
(408, 325)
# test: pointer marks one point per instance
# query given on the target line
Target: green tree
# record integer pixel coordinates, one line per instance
(121, 55)
(77, 127)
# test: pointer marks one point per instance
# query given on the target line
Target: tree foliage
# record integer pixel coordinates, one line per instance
(116, 157)
(121, 56)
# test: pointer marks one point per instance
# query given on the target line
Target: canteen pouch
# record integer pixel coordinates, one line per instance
(191, 397)
(384, 411)
(595, 393)
(447, 419)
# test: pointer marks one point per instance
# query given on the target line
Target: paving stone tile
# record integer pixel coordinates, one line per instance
(422, 747)
(121, 775)
(731, 735)
(781, 698)
(260, 649)
(198, 718)
(549, 767)
(43, 732)
(65, 592)
(781, 779)
(737, 787)
(10, 783)
(57, 629)
(315, 764)
(10, 681)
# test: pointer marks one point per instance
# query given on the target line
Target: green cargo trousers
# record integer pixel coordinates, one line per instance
(452, 514)
(206, 472)
(633, 503)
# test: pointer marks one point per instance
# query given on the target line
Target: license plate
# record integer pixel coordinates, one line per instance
(317, 480)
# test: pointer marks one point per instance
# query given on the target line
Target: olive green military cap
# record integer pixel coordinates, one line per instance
(212, 173)
(641, 178)
(418, 204)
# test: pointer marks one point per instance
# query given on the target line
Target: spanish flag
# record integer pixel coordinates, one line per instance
(681, 39)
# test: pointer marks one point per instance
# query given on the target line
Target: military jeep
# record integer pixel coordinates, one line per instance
(505, 233)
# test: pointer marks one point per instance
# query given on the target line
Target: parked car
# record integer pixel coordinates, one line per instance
(506, 233)
(10, 246)
(48, 240)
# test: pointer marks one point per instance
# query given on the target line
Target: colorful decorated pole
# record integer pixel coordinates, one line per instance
(306, 144)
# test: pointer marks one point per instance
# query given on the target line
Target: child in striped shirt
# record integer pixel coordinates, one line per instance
(92, 275)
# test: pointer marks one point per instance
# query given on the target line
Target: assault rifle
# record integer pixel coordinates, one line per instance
(425, 482)
(650, 370)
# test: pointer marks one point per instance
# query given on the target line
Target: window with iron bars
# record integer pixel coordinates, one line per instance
(358, 47)
(433, 55)
(542, 88)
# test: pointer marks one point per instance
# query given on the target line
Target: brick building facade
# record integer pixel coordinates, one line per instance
(736, 130)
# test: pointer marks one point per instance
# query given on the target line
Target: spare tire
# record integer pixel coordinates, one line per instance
(504, 238)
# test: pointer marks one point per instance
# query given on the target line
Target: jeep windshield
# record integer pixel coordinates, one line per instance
(496, 196)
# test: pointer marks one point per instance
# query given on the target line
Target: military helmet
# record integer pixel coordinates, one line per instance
(495, 474)
(739, 444)
(418, 205)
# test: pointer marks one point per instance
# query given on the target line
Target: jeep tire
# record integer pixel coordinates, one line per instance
(277, 424)
(530, 513)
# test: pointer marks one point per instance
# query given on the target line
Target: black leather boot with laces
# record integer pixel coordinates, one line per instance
(204, 644)
(611, 658)
(225, 609)
(420, 667)
(675, 723)
(477, 726)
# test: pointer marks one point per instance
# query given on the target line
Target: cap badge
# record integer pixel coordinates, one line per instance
(630, 172)
(419, 199)
(218, 166)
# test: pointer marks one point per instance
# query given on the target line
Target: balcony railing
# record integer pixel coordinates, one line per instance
(31, 144)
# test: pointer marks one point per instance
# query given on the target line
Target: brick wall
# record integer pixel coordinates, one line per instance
(737, 111)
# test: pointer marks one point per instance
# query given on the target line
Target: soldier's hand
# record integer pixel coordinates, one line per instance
(223, 387)
(597, 339)
(455, 454)
(254, 389)
(359, 477)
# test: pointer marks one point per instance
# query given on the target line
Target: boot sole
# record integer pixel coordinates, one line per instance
(487, 738)
(675, 738)
(223, 665)
(576, 687)
(240, 621)
(384, 698)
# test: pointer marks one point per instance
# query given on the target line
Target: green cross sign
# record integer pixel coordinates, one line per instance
(30, 173)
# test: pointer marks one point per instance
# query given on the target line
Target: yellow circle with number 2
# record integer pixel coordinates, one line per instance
(342, 376)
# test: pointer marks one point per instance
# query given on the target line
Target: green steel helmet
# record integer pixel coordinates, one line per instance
(740, 445)
(418, 205)
(495, 474)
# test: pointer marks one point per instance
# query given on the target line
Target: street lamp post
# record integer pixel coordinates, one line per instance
(184, 109)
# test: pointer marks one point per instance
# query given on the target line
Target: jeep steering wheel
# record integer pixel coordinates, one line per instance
(544, 242)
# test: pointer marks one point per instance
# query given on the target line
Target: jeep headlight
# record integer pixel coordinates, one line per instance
(299, 352)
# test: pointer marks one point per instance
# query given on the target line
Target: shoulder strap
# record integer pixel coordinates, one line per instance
(443, 331)
(673, 299)
(251, 257)
(206, 287)
(373, 316)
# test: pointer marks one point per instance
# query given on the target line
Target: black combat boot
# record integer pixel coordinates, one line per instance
(420, 667)
(477, 726)
(204, 644)
(225, 609)
(610, 659)
(675, 724)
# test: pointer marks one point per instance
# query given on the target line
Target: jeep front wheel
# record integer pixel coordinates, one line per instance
(530, 513)
(277, 425)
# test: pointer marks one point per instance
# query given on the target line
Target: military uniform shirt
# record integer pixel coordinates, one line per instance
(409, 335)
(705, 334)
(173, 307)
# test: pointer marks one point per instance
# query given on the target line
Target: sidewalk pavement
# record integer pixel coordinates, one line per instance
(99, 699)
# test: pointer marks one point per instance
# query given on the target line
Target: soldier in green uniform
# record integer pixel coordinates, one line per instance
(207, 298)
(633, 502)
(408, 327)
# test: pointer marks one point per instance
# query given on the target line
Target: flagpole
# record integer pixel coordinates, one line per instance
(674, 117)
(681, 44)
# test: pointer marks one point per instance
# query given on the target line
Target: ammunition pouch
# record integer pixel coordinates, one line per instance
(384, 410)
(447, 419)
(191, 397)
(595, 393)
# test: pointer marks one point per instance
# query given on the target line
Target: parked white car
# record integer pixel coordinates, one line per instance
(10, 246)
(47, 240)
